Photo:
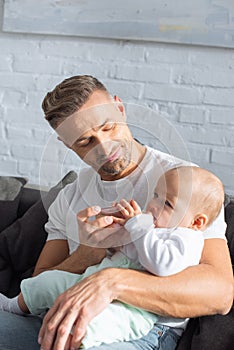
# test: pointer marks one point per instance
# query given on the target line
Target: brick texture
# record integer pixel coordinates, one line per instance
(191, 87)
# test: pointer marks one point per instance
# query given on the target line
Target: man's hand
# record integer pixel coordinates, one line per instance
(101, 232)
(74, 309)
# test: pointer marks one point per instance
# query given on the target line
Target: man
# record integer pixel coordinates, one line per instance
(90, 122)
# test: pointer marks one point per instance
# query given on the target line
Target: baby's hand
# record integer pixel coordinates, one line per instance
(127, 210)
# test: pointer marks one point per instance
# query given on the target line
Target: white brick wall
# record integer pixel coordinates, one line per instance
(193, 85)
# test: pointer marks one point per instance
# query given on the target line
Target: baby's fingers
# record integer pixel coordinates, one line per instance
(135, 206)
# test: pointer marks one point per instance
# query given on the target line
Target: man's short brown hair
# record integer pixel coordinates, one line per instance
(68, 96)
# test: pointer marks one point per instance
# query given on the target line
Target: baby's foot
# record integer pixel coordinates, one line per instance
(4, 303)
(10, 305)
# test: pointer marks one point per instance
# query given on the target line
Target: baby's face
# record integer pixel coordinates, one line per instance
(170, 204)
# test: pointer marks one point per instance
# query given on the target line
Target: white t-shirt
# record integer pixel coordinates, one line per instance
(89, 190)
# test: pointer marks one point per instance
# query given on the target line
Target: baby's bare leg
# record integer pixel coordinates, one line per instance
(22, 304)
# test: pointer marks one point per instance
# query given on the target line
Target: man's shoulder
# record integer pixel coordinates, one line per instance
(166, 160)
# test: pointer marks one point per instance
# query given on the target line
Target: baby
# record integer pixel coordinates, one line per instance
(164, 240)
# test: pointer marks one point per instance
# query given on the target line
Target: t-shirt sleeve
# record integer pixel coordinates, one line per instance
(56, 225)
(217, 229)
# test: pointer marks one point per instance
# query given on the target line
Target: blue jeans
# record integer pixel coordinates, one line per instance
(20, 333)
(159, 338)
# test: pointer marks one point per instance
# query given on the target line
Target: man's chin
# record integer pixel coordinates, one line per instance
(113, 169)
(109, 174)
(109, 171)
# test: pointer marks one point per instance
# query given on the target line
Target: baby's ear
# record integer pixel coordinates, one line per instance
(199, 222)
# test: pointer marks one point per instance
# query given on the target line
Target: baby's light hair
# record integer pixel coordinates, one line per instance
(207, 191)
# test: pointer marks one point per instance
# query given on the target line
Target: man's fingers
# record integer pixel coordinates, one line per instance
(68, 343)
(64, 330)
(85, 214)
(79, 332)
(87, 229)
(43, 330)
(52, 327)
(101, 222)
(119, 221)
(102, 232)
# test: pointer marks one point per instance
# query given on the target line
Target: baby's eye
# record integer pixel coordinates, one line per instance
(155, 195)
(168, 204)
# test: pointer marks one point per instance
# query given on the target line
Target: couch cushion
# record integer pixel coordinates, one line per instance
(209, 333)
(10, 193)
(21, 243)
(229, 217)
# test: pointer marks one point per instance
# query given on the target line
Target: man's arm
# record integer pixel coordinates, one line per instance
(55, 256)
(203, 289)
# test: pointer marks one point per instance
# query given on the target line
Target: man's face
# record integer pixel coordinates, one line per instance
(98, 134)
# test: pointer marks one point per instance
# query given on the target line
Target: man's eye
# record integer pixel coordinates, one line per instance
(108, 126)
(83, 143)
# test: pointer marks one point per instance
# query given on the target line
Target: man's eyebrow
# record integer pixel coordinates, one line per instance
(96, 128)
(100, 126)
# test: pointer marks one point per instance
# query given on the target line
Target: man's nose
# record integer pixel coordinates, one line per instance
(102, 145)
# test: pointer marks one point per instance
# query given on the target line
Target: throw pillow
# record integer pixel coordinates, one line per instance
(10, 192)
(21, 243)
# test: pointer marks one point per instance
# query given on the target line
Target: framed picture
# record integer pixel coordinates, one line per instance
(203, 22)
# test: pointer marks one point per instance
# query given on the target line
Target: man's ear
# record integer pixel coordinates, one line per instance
(199, 222)
(119, 103)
